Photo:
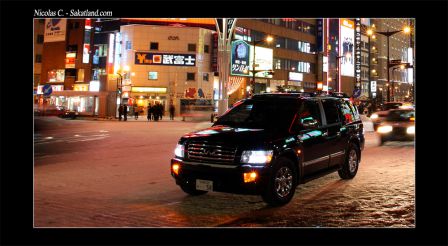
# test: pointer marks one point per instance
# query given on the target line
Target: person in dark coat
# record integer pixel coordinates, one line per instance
(172, 112)
(135, 111)
(149, 111)
(120, 112)
(125, 112)
(156, 111)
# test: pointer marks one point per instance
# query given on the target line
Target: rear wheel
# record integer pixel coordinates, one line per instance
(282, 183)
(350, 166)
(192, 190)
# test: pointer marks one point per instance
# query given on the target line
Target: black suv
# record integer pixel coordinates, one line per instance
(269, 144)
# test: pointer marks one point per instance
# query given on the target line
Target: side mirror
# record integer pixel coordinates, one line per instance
(310, 124)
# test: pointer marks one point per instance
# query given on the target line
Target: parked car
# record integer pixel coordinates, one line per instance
(269, 144)
(399, 125)
(49, 110)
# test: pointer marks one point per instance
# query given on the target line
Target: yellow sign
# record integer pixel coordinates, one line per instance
(149, 89)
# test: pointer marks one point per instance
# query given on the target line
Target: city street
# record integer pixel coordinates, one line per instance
(116, 174)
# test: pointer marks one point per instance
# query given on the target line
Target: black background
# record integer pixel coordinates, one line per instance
(431, 163)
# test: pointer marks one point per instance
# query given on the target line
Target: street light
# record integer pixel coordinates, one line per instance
(388, 34)
(337, 69)
(268, 39)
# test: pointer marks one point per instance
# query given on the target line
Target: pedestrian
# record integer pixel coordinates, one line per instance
(148, 110)
(135, 111)
(125, 112)
(161, 111)
(156, 111)
(172, 112)
(120, 112)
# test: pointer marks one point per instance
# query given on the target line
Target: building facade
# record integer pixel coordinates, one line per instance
(165, 64)
(400, 49)
(294, 61)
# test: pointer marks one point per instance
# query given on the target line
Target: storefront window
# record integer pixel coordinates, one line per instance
(80, 75)
(56, 75)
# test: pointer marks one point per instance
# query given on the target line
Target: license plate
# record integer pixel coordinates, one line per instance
(205, 185)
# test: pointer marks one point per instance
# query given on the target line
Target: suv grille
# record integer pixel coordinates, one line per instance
(211, 152)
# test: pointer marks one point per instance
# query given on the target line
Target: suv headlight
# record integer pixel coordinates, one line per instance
(256, 156)
(410, 130)
(179, 151)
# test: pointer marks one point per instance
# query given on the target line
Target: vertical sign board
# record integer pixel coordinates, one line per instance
(358, 51)
(346, 43)
(239, 63)
(320, 35)
(214, 62)
(55, 30)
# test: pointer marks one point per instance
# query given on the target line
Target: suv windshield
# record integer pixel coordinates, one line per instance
(261, 114)
(400, 115)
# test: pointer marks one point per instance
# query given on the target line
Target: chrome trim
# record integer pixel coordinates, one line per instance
(337, 154)
(306, 163)
(209, 164)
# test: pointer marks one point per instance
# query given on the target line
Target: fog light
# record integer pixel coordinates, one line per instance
(250, 177)
(175, 168)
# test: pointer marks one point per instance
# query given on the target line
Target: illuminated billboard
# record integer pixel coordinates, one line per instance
(263, 61)
(346, 47)
(240, 58)
(55, 30)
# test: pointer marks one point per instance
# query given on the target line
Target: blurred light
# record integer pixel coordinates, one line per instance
(410, 130)
(373, 36)
(406, 29)
(374, 116)
(384, 129)
(269, 39)
(268, 89)
(402, 66)
(175, 168)
(369, 32)
(250, 177)
(248, 88)
(133, 74)
(299, 152)
(126, 68)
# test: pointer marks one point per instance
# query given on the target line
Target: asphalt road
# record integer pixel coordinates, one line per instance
(116, 174)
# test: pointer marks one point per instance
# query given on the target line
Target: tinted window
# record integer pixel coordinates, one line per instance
(347, 112)
(260, 114)
(190, 76)
(331, 111)
(310, 110)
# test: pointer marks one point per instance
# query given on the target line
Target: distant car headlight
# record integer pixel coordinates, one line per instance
(410, 130)
(384, 129)
(374, 116)
(179, 151)
(257, 156)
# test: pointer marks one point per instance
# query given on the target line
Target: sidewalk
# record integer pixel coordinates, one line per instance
(140, 119)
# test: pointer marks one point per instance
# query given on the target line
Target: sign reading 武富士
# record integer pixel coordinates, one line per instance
(146, 58)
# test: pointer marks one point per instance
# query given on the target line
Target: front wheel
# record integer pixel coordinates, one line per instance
(192, 190)
(282, 183)
(350, 166)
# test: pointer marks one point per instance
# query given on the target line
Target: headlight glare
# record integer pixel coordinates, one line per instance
(256, 156)
(374, 116)
(384, 129)
(179, 151)
(410, 130)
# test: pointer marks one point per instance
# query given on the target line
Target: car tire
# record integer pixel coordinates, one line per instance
(282, 183)
(351, 163)
(192, 190)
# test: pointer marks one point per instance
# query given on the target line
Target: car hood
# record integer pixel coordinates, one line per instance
(233, 135)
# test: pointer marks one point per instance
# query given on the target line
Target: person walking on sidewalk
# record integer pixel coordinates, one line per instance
(125, 112)
(120, 112)
(172, 112)
(135, 111)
